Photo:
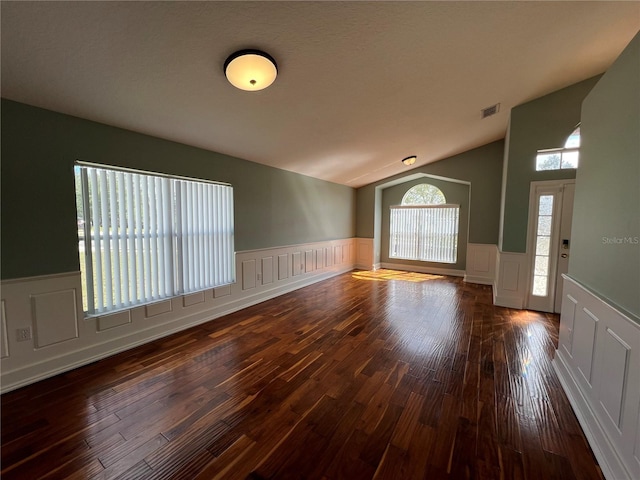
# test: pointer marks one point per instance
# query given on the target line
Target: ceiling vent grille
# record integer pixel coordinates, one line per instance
(492, 110)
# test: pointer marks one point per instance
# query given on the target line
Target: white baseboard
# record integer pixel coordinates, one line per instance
(608, 459)
(508, 302)
(415, 268)
(479, 280)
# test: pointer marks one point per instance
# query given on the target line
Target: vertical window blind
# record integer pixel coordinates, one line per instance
(427, 232)
(144, 237)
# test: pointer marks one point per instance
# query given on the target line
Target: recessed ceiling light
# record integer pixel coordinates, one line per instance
(409, 160)
(250, 70)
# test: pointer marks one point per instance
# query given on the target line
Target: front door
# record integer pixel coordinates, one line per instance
(564, 246)
(549, 241)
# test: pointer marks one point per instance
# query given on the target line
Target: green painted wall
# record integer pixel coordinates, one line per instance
(454, 193)
(542, 123)
(480, 167)
(39, 232)
(605, 255)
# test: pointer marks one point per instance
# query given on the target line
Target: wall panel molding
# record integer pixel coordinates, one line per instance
(509, 288)
(481, 263)
(598, 367)
(4, 333)
(364, 253)
(101, 336)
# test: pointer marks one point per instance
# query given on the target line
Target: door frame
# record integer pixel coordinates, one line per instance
(557, 188)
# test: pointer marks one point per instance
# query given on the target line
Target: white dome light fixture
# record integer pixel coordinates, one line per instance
(250, 70)
(409, 160)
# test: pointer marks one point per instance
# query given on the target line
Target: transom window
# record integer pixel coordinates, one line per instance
(143, 237)
(424, 227)
(560, 158)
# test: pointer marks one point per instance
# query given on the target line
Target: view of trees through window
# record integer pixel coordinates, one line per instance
(424, 194)
(560, 158)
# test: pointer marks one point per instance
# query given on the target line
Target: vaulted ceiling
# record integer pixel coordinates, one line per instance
(360, 85)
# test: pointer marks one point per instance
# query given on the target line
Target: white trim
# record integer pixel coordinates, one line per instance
(481, 263)
(478, 280)
(40, 278)
(607, 404)
(509, 288)
(608, 459)
(420, 269)
(25, 365)
(364, 254)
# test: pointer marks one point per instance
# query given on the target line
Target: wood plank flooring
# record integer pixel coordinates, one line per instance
(368, 375)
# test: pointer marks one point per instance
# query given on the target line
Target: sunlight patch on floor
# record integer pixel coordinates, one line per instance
(383, 275)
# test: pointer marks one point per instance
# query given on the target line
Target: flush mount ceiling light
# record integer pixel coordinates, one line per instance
(409, 160)
(250, 70)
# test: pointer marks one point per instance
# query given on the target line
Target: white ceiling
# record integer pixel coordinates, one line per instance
(360, 86)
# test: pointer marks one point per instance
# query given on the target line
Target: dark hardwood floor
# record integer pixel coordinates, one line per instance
(367, 375)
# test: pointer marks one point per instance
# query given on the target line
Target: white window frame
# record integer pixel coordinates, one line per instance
(561, 152)
(167, 236)
(446, 252)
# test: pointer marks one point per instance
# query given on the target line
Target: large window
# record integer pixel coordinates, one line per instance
(424, 227)
(560, 158)
(144, 237)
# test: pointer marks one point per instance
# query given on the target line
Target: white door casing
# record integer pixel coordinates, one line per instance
(564, 246)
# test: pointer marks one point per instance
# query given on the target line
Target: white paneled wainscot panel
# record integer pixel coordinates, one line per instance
(267, 270)
(44, 332)
(4, 342)
(364, 253)
(308, 261)
(568, 319)
(55, 317)
(510, 286)
(248, 274)
(598, 363)
(283, 267)
(481, 263)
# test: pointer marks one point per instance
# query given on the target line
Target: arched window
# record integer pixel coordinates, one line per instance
(424, 194)
(424, 227)
(559, 158)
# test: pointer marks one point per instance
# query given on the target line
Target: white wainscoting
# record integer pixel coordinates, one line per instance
(49, 309)
(364, 249)
(481, 263)
(598, 363)
(510, 286)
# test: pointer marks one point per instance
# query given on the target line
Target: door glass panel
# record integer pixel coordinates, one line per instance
(542, 245)
(544, 225)
(543, 241)
(542, 265)
(546, 205)
(540, 285)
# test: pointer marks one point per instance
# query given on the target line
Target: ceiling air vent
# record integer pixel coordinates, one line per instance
(492, 110)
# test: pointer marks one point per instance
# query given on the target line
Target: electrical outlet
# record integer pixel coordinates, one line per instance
(23, 334)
